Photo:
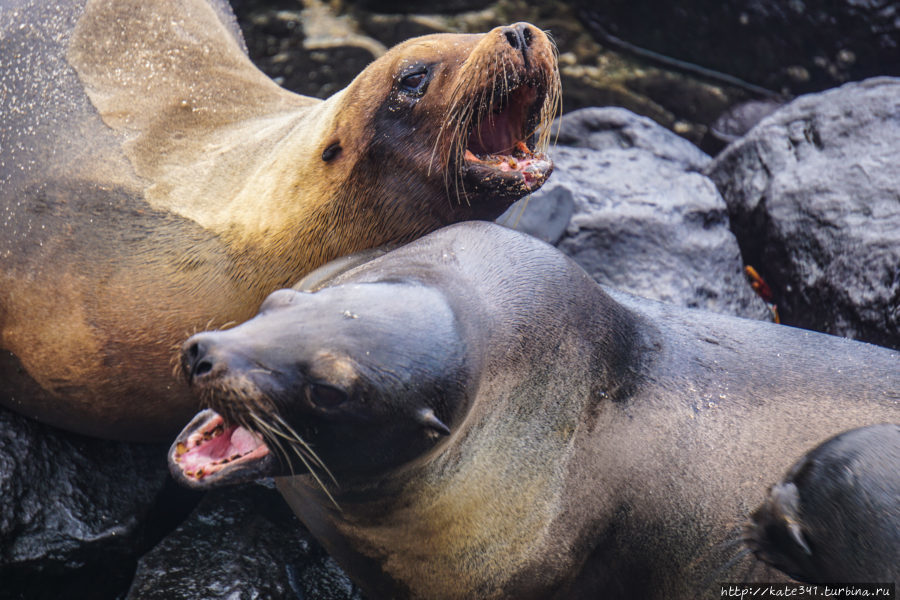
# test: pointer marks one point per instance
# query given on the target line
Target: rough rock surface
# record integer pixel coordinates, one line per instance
(74, 512)
(241, 543)
(813, 193)
(617, 128)
(630, 208)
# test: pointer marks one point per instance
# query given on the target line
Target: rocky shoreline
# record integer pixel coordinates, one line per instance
(809, 197)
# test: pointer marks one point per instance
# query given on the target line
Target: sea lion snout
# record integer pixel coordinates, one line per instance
(519, 36)
(204, 358)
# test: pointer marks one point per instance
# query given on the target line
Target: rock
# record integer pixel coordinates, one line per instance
(799, 46)
(639, 219)
(738, 120)
(75, 512)
(616, 128)
(813, 193)
(312, 52)
(241, 543)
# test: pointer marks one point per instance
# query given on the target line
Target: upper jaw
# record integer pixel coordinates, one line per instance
(210, 453)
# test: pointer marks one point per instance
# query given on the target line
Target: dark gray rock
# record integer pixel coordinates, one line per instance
(73, 510)
(639, 219)
(241, 543)
(813, 193)
(617, 128)
(545, 215)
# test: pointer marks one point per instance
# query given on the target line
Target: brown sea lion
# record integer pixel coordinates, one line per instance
(471, 416)
(835, 516)
(154, 182)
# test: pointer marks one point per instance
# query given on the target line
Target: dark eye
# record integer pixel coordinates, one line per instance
(415, 83)
(325, 396)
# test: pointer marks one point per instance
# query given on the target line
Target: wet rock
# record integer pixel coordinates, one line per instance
(812, 192)
(241, 543)
(617, 128)
(75, 511)
(640, 218)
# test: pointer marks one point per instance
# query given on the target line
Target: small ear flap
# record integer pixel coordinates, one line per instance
(331, 151)
(430, 420)
(797, 536)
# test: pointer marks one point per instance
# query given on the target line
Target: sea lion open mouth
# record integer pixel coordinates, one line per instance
(497, 127)
(278, 405)
(501, 145)
(210, 452)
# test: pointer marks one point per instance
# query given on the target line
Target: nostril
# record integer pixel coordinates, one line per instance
(527, 36)
(196, 359)
(201, 368)
(512, 38)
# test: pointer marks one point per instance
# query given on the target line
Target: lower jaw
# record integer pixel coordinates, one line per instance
(486, 185)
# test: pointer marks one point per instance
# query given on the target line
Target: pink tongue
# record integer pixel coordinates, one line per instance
(234, 440)
(243, 441)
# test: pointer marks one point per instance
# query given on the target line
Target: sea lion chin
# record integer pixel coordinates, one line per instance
(154, 182)
(472, 416)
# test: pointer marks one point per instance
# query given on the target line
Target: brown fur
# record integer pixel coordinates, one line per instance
(164, 184)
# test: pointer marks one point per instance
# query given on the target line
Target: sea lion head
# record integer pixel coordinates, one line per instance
(459, 118)
(833, 517)
(343, 382)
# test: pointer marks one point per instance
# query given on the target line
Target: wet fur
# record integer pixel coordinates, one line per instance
(602, 446)
(154, 181)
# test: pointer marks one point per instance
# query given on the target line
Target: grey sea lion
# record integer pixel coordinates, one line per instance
(471, 416)
(835, 516)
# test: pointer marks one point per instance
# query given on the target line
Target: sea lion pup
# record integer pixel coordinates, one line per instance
(153, 182)
(835, 516)
(484, 421)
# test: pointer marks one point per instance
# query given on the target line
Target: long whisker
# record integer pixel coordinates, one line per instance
(278, 433)
(307, 447)
(300, 455)
(315, 476)
(521, 212)
(721, 570)
(272, 436)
